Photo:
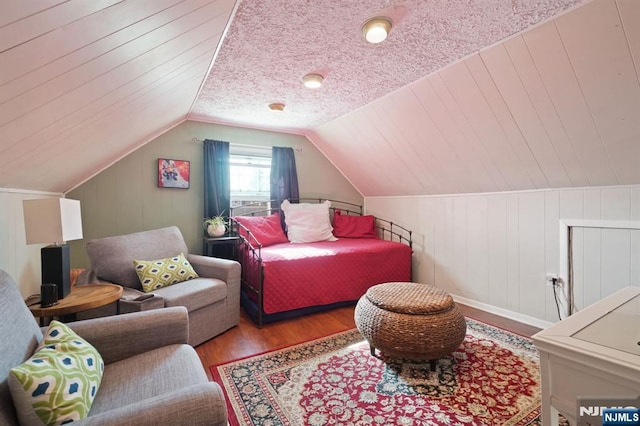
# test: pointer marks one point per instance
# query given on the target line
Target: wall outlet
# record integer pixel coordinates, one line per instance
(553, 279)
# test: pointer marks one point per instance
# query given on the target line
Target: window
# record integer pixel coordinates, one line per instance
(249, 178)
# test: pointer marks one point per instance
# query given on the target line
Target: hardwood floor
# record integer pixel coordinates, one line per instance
(247, 339)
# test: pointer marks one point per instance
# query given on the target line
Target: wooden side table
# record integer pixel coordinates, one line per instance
(81, 298)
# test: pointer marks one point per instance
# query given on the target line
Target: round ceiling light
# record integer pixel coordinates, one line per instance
(376, 30)
(276, 106)
(312, 81)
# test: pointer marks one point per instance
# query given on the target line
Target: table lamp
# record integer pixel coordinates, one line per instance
(55, 221)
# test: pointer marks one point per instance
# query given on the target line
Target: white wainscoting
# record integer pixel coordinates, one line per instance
(495, 249)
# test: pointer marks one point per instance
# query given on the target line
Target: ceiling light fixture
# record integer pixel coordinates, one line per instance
(312, 81)
(375, 30)
(276, 106)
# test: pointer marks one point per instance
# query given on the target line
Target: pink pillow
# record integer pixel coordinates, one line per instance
(266, 229)
(347, 226)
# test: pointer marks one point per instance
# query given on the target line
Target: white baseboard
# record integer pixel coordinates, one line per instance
(503, 312)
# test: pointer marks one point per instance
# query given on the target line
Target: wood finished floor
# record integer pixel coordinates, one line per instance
(247, 339)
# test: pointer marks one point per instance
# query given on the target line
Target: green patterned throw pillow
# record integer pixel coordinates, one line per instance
(155, 274)
(59, 382)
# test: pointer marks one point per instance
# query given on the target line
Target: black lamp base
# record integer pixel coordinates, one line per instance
(56, 268)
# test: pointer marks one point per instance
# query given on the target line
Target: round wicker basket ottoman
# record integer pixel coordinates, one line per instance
(410, 320)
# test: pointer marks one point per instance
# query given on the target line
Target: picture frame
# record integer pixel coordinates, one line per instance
(174, 173)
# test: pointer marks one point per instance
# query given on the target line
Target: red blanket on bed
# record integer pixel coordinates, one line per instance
(311, 274)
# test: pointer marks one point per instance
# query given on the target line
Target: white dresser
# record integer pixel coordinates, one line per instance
(595, 352)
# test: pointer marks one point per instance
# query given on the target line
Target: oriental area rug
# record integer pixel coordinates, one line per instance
(492, 379)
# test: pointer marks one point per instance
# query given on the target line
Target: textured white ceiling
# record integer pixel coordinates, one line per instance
(270, 45)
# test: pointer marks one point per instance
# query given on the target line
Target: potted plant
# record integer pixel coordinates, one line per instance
(215, 226)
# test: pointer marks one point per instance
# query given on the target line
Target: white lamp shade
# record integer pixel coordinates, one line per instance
(52, 220)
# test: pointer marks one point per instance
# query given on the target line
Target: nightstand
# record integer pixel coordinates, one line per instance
(223, 247)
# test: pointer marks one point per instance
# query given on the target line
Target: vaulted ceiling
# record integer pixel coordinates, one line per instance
(462, 97)
(554, 107)
(83, 83)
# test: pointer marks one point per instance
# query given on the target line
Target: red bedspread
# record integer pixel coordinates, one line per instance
(311, 274)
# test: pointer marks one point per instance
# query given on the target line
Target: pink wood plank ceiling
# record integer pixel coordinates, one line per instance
(462, 96)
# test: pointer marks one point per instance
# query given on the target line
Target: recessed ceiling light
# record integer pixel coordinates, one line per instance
(312, 81)
(276, 106)
(375, 30)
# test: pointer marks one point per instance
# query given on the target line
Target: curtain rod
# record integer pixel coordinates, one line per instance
(295, 148)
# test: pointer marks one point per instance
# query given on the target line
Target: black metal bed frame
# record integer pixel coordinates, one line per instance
(250, 249)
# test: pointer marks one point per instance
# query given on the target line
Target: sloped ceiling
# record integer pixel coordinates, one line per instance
(271, 45)
(437, 108)
(83, 83)
(557, 106)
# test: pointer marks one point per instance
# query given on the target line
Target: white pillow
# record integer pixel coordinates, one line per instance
(307, 223)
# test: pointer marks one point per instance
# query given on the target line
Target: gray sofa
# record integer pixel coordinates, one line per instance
(151, 374)
(213, 300)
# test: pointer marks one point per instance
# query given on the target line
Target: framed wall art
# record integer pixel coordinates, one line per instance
(173, 173)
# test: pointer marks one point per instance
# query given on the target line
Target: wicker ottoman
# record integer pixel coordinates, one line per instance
(410, 320)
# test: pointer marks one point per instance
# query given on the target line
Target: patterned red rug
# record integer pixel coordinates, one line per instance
(492, 379)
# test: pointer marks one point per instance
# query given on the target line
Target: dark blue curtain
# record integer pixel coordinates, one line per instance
(217, 189)
(284, 177)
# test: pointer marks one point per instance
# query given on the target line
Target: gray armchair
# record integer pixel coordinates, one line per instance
(213, 300)
(151, 374)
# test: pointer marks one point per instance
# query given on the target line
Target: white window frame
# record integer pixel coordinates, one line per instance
(249, 151)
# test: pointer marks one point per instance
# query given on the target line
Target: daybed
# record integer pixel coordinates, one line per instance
(329, 256)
